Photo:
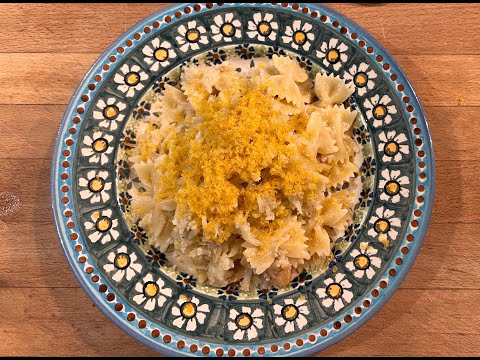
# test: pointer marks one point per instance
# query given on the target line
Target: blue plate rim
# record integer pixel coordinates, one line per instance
(385, 294)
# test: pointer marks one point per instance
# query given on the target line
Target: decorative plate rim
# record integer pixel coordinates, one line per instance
(320, 341)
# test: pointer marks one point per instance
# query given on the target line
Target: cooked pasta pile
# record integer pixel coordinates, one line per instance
(245, 174)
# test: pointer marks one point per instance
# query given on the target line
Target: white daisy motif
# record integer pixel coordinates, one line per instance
(291, 314)
(189, 311)
(109, 111)
(96, 147)
(393, 146)
(336, 292)
(384, 224)
(262, 27)
(122, 264)
(380, 109)
(95, 186)
(130, 79)
(363, 261)
(393, 185)
(158, 54)
(151, 293)
(362, 77)
(226, 28)
(333, 53)
(104, 228)
(190, 36)
(245, 323)
(298, 35)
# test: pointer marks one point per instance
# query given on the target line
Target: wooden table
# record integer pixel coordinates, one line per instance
(46, 50)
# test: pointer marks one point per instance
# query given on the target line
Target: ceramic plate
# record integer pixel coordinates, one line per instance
(134, 285)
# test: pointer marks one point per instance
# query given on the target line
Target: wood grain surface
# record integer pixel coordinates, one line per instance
(45, 51)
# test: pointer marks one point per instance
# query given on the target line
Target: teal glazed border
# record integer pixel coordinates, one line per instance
(90, 277)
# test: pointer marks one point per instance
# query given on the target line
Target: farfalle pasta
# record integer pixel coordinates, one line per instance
(248, 174)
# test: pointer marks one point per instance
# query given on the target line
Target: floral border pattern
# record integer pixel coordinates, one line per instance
(405, 110)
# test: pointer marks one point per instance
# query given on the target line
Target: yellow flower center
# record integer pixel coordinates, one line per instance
(264, 28)
(333, 56)
(362, 262)
(161, 54)
(193, 35)
(132, 78)
(188, 310)
(110, 112)
(334, 291)
(392, 188)
(100, 145)
(122, 261)
(96, 184)
(380, 111)
(228, 30)
(360, 79)
(382, 226)
(150, 289)
(299, 37)
(391, 148)
(290, 312)
(103, 224)
(243, 321)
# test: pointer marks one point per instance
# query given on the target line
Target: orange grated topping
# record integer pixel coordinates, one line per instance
(246, 151)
